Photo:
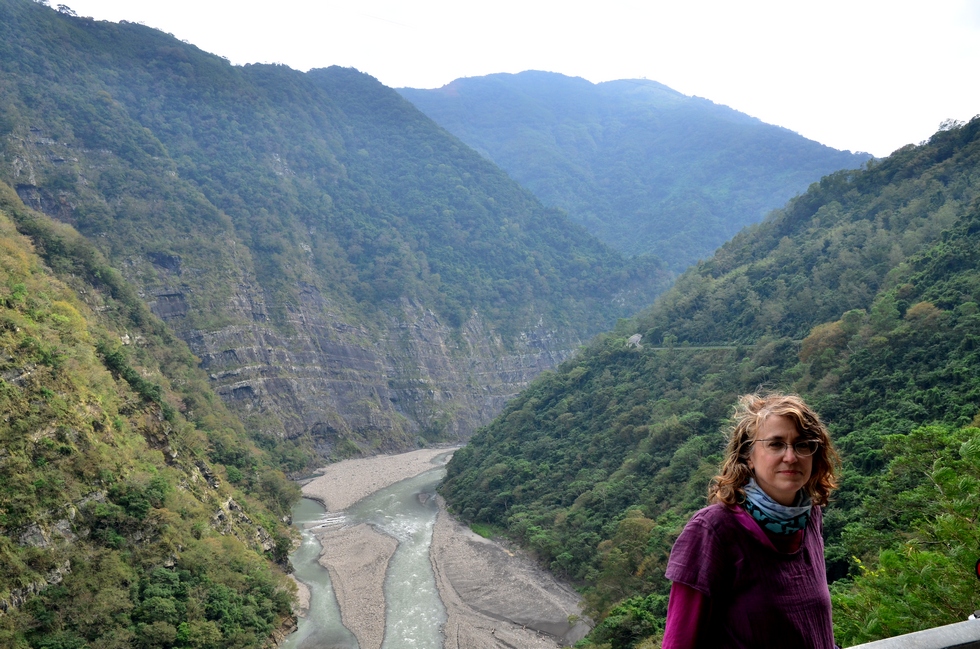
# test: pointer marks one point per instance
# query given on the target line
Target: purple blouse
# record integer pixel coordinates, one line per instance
(759, 597)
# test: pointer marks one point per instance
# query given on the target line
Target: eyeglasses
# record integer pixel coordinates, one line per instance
(803, 448)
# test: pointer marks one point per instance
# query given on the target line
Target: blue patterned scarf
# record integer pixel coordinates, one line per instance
(772, 516)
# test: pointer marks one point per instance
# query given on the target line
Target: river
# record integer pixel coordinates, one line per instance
(414, 614)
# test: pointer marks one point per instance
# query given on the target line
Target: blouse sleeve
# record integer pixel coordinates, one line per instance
(698, 557)
(687, 611)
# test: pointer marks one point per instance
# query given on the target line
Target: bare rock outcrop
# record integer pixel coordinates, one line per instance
(356, 389)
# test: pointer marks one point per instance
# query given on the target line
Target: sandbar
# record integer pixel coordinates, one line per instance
(357, 558)
(302, 605)
(344, 483)
(494, 598)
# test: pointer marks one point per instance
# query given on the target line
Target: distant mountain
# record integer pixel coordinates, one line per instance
(861, 295)
(643, 167)
(210, 275)
(353, 278)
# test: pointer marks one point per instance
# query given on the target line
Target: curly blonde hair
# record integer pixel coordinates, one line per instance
(750, 412)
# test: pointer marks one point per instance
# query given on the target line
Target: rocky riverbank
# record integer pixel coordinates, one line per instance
(493, 598)
(496, 599)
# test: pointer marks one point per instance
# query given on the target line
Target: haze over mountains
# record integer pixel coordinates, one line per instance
(211, 276)
(643, 167)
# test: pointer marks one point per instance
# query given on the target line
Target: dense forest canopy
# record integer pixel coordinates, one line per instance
(353, 279)
(643, 167)
(861, 295)
(344, 268)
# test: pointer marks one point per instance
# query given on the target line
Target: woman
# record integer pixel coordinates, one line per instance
(748, 570)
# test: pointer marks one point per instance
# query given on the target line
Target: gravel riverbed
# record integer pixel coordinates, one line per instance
(494, 598)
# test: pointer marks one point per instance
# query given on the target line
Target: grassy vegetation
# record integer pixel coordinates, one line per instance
(115, 458)
(484, 530)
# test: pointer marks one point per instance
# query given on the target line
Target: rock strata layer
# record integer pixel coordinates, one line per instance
(378, 389)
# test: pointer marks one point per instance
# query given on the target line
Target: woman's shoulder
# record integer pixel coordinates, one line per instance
(702, 551)
(816, 518)
(714, 518)
(715, 512)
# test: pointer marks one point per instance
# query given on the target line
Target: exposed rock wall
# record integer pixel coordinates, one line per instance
(378, 388)
(17, 597)
(354, 383)
(375, 387)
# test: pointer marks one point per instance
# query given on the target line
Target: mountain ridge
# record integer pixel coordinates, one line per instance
(647, 169)
(861, 295)
(353, 278)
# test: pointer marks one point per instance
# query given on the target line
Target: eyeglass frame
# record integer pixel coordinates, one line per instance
(807, 444)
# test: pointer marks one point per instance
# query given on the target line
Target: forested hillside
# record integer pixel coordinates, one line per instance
(643, 167)
(352, 278)
(133, 510)
(861, 295)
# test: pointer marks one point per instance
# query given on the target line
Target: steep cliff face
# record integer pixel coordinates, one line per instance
(347, 383)
(374, 388)
(353, 278)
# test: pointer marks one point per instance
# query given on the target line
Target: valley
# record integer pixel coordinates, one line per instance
(217, 280)
(404, 573)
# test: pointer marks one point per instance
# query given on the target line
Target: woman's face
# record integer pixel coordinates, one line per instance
(783, 474)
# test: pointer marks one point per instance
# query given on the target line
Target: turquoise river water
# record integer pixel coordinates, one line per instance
(414, 612)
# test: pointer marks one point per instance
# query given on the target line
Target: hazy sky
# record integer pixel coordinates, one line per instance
(868, 75)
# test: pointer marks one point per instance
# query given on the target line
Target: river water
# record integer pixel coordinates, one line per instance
(414, 612)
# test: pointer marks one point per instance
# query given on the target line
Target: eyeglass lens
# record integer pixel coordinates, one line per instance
(804, 448)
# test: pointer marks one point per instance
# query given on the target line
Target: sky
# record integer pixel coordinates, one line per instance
(863, 75)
